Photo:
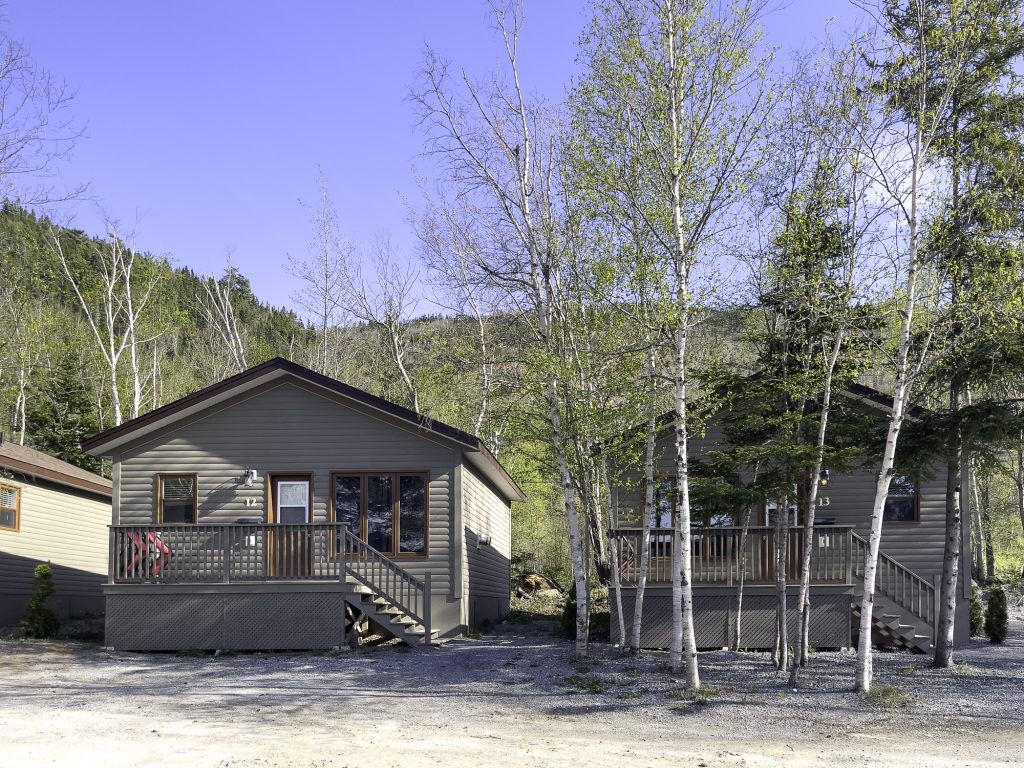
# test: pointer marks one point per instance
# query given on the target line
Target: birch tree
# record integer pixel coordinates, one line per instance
(113, 299)
(386, 304)
(451, 246)
(685, 78)
(217, 307)
(325, 274)
(36, 129)
(897, 163)
(499, 148)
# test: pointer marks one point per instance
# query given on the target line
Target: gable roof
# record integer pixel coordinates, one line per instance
(476, 451)
(29, 461)
(665, 423)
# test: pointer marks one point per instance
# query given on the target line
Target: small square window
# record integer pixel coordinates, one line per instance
(901, 505)
(177, 499)
(10, 503)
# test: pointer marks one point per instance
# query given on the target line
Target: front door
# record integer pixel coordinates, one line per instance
(291, 540)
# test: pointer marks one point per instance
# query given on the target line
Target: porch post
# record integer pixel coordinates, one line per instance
(111, 558)
(426, 607)
(342, 535)
(226, 576)
(849, 555)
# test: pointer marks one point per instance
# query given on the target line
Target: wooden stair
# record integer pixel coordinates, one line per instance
(896, 626)
(368, 604)
(905, 607)
(379, 590)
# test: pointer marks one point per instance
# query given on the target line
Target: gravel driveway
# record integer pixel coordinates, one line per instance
(511, 699)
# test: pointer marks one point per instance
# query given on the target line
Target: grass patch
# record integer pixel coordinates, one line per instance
(959, 669)
(702, 696)
(632, 693)
(886, 696)
(585, 683)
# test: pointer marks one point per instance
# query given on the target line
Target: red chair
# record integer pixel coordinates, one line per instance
(148, 555)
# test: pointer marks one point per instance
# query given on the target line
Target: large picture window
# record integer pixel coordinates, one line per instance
(177, 499)
(10, 504)
(388, 510)
(901, 505)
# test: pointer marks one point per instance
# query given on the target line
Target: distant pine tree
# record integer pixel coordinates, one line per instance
(997, 619)
(977, 613)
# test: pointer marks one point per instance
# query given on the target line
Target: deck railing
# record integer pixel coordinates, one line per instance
(900, 584)
(228, 553)
(716, 555)
(373, 569)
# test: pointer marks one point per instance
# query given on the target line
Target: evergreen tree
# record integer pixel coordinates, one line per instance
(40, 621)
(997, 619)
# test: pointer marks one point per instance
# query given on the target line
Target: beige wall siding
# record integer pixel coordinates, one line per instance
(487, 567)
(64, 528)
(287, 427)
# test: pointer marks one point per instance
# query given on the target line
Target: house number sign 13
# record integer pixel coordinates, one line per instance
(824, 501)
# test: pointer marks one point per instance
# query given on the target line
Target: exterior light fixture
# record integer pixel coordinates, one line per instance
(249, 477)
(823, 478)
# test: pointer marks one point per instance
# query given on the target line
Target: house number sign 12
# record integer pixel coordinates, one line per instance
(252, 502)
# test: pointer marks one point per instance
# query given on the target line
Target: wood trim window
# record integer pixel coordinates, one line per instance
(10, 507)
(291, 510)
(388, 510)
(177, 498)
(903, 504)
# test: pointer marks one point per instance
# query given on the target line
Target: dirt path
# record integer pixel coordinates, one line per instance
(501, 701)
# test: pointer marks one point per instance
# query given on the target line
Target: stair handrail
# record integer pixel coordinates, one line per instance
(900, 584)
(387, 579)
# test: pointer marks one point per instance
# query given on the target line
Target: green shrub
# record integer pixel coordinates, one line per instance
(568, 621)
(40, 620)
(977, 613)
(997, 619)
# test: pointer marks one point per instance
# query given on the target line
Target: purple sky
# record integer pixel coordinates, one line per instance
(205, 121)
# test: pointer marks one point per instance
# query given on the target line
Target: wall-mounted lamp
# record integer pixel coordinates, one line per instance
(483, 541)
(249, 477)
(823, 478)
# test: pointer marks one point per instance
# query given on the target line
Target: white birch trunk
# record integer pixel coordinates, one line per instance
(644, 555)
(944, 627)
(803, 601)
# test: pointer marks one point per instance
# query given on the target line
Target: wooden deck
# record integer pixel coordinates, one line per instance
(720, 554)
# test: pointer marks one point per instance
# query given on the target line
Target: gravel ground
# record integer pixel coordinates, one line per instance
(513, 698)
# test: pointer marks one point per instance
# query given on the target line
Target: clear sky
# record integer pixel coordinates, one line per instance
(205, 121)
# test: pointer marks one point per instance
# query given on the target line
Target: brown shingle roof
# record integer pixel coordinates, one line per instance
(21, 458)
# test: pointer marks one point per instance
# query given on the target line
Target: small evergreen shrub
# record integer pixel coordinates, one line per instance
(568, 620)
(997, 619)
(977, 613)
(40, 621)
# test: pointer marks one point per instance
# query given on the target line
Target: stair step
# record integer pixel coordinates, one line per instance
(402, 619)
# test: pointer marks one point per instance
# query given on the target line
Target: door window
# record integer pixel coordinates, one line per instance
(293, 501)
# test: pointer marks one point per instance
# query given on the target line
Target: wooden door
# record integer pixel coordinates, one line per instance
(291, 549)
